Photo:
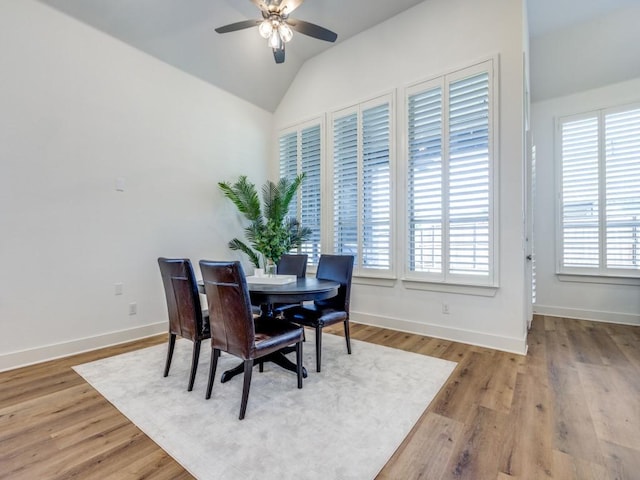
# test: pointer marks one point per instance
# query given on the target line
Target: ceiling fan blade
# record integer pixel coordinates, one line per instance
(288, 6)
(232, 27)
(278, 54)
(261, 4)
(312, 30)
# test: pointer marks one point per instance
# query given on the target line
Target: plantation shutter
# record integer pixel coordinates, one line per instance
(622, 186)
(376, 194)
(450, 224)
(288, 144)
(469, 175)
(600, 197)
(310, 191)
(425, 180)
(345, 180)
(580, 185)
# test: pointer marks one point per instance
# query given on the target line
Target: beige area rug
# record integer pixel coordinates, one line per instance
(345, 423)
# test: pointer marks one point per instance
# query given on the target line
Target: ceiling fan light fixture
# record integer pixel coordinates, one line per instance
(265, 29)
(275, 41)
(286, 34)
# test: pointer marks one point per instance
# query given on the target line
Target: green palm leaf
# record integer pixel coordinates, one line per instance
(271, 232)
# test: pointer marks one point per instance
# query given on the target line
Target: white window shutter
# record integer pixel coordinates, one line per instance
(468, 189)
(300, 151)
(310, 205)
(600, 196)
(376, 188)
(580, 208)
(345, 180)
(425, 180)
(622, 186)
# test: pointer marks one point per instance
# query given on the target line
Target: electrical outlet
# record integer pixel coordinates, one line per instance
(445, 308)
(133, 308)
(118, 288)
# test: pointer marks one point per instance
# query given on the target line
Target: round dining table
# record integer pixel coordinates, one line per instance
(268, 294)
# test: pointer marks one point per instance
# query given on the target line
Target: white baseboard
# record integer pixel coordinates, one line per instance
(9, 361)
(496, 342)
(594, 315)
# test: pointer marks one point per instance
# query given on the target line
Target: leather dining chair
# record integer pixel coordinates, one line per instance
(186, 318)
(290, 264)
(338, 268)
(233, 329)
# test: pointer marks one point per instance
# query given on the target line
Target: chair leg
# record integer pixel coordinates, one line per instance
(172, 344)
(248, 369)
(299, 363)
(261, 367)
(194, 363)
(318, 347)
(212, 371)
(347, 336)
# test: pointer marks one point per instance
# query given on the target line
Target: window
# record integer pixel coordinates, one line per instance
(450, 222)
(599, 214)
(300, 151)
(361, 151)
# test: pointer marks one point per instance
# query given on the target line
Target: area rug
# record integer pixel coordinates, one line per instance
(345, 423)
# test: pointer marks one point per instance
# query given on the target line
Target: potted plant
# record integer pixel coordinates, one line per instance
(271, 231)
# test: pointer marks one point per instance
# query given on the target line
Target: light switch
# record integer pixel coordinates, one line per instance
(120, 184)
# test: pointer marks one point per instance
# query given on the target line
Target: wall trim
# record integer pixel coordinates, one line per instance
(593, 315)
(22, 358)
(496, 342)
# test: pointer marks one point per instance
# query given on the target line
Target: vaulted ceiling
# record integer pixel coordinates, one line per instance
(181, 33)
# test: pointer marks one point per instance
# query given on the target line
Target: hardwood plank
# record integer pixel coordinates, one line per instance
(572, 468)
(630, 348)
(621, 462)
(426, 451)
(602, 386)
(497, 392)
(457, 399)
(607, 348)
(434, 347)
(574, 432)
(584, 349)
(479, 447)
(527, 446)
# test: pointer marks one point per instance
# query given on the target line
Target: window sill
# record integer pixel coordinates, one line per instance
(607, 280)
(479, 290)
(374, 281)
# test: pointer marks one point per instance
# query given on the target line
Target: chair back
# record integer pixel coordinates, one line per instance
(338, 268)
(183, 300)
(293, 265)
(230, 316)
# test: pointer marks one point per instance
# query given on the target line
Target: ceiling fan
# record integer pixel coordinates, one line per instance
(276, 26)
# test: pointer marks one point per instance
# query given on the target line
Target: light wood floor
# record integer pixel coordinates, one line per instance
(568, 410)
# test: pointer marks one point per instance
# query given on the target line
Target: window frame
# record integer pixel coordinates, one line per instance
(484, 285)
(298, 128)
(375, 276)
(601, 273)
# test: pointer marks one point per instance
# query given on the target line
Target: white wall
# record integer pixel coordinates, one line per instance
(430, 39)
(77, 110)
(591, 301)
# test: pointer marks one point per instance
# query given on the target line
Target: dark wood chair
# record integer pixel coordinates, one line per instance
(290, 264)
(233, 329)
(338, 268)
(186, 318)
